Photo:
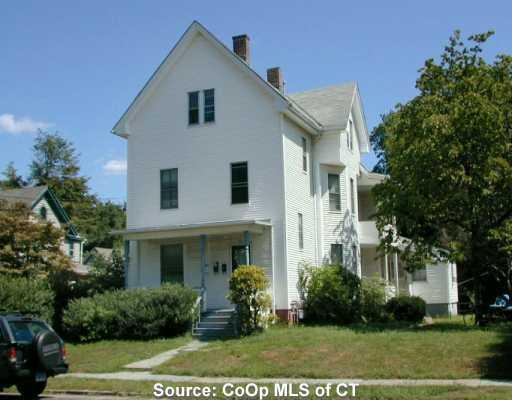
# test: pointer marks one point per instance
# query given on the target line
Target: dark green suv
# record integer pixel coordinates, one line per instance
(30, 352)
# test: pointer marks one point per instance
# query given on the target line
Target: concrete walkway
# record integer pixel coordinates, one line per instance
(147, 376)
(163, 357)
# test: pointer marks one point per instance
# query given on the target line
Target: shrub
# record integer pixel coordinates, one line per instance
(30, 296)
(248, 291)
(407, 308)
(373, 292)
(130, 314)
(333, 295)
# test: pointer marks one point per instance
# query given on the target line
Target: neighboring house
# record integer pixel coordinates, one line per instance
(46, 207)
(225, 169)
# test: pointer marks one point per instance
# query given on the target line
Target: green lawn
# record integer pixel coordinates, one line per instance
(445, 350)
(145, 389)
(111, 356)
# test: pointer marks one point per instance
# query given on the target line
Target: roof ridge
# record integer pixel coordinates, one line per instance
(318, 89)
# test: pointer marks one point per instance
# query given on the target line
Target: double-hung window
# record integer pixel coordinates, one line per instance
(239, 183)
(171, 263)
(336, 253)
(419, 275)
(333, 181)
(301, 231)
(193, 108)
(169, 188)
(209, 105)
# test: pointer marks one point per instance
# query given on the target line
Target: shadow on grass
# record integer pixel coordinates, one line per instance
(499, 364)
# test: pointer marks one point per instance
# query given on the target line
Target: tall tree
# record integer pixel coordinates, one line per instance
(55, 163)
(449, 156)
(12, 179)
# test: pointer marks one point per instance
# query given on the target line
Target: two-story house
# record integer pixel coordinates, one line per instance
(225, 169)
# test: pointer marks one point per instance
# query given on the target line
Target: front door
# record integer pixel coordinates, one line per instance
(239, 257)
(217, 281)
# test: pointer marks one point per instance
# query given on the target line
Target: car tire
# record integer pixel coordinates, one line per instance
(31, 390)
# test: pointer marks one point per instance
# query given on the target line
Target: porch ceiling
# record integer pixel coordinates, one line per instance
(194, 229)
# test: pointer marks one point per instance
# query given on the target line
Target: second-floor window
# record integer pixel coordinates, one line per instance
(352, 196)
(301, 231)
(193, 108)
(169, 188)
(304, 154)
(333, 181)
(239, 183)
(209, 105)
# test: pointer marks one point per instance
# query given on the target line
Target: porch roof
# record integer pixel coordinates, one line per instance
(194, 229)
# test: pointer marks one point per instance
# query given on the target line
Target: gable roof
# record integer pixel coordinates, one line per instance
(30, 197)
(122, 127)
(330, 105)
(316, 110)
(27, 195)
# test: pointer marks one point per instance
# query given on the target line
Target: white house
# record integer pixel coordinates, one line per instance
(225, 168)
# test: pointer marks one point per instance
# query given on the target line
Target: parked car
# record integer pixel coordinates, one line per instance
(30, 352)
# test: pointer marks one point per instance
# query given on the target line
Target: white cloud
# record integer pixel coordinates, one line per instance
(115, 167)
(10, 124)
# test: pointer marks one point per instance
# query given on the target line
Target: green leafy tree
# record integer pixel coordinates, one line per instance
(12, 179)
(29, 248)
(104, 217)
(449, 156)
(55, 163)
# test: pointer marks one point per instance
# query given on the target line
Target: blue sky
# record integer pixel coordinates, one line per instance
(74, 66)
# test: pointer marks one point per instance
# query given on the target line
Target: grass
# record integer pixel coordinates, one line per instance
(111, 356)
(445, 350)
(145, 390)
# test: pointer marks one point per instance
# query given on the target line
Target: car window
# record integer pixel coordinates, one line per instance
(2, 337)
(25, 331)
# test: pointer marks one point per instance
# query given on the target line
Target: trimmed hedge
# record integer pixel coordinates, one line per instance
(29, 296)
(130, 314)
(407, 308)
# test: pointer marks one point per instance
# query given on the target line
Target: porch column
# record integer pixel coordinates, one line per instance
(247, 243)
(204, 266)
(395, 261)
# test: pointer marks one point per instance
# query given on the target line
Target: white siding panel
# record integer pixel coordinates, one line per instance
(299, 199)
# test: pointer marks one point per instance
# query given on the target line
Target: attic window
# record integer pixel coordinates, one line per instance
(193, 108)
(209, 105)
(43, 213)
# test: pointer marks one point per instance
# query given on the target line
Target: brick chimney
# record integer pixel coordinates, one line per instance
(275, 78)
(241, 47)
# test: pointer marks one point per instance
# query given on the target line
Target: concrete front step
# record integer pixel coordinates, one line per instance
(215, 323)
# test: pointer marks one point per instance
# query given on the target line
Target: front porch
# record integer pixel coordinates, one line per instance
(201, 256)
(387, 267)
